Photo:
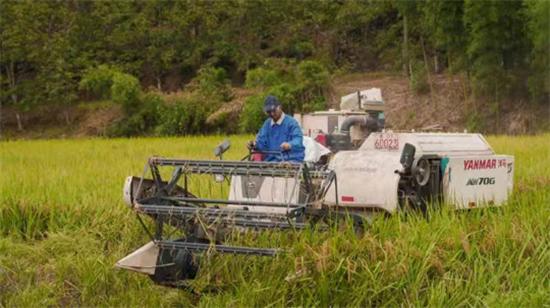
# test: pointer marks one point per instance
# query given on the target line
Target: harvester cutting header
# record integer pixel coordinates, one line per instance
(352, 169)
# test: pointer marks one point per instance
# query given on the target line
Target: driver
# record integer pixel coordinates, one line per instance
(279, 133)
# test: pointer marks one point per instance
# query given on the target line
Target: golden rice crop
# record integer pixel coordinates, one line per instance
(64, 225)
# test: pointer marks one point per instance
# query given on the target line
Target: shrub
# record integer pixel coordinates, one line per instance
(182, 118)
(262, 77)
(300, 89)
(125, 91)
(312, 80)
(419, 78)
(106, 82)
(141, 121)
(253, 115)
(303, 49)
(312, 74)
(98, 81)
(127, 127)
(212, 83)
(150, 114)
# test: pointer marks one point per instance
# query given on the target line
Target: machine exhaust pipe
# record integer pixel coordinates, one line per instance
(368, 121)
(341, 140)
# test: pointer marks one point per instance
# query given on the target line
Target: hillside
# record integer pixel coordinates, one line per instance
(60, 58)
(448, 108)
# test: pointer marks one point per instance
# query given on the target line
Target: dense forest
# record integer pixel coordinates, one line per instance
(134, 52)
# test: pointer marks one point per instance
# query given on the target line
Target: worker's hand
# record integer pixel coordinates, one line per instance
(251, 144)
(285, 146)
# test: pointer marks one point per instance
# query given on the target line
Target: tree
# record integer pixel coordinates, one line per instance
(444, 27)
(496, 47)
(15, 50)
(409, 13)
(539, 26)
(496, 43)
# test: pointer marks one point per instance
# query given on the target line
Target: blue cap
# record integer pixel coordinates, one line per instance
(271, 103)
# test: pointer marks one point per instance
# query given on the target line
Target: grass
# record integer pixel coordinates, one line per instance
(63, 226)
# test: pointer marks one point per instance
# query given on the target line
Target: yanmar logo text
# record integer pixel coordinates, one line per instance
(479, 164)
(480, 181)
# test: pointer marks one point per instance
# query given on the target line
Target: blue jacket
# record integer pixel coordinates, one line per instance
(271, 135)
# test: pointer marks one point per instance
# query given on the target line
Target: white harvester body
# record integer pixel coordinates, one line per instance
(264, 189)
(471, 174)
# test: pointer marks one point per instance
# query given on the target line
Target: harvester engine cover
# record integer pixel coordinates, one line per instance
(394, 170)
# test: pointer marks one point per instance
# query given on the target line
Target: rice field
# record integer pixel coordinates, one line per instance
(63, 226)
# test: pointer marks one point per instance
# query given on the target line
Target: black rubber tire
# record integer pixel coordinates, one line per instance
(176, 266)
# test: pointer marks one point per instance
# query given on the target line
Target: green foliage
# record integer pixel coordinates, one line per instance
(312, 80)
(312, 74)
(125, 91)
(140, 119)
(211, 83)
(48, 46)
(108, 83)
(98, 81)
(496, 45)
(262, 77)
(443, 25)
(419, 78)
(287, 95)
(299, 88)
(253, 114)
(38, 61)
(302, 49)
(150, 114)
(183, 117)
(539, 26)
(209, 90)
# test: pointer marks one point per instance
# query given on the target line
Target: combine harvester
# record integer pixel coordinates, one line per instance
(366, 170)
